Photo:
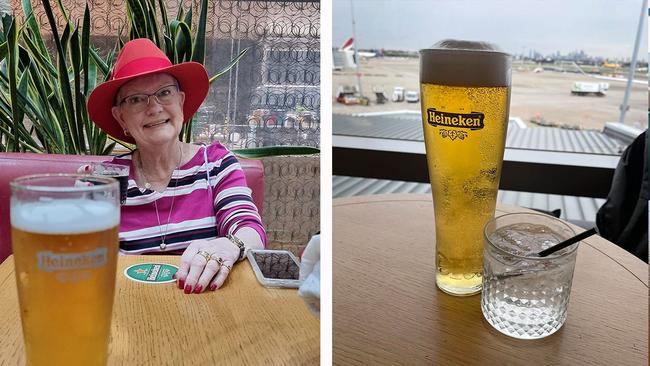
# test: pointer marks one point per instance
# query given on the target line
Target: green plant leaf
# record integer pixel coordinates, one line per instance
(137, 19)
(183, 41)
(109, 148)
(198, 54)
(59, 117)
(43, 60)
(22, 89)
(152, 31)
(103, 66)
(23, 102)
(85, 47)
(186, 131)
(35, 29)
(172, 27)
(169, 45)
(188, 17)
(42, 115)
(18, 131)
(12, 71)
(3, 50)
(64, 82)
(92, 78)
(163, 15)
(10, 136)
(62, 10)
(230, 65)
(125, 144)
(260, 152)
(66, 90)
(7, 20)
(79, 99)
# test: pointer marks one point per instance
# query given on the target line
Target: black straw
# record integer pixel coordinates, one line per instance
(566, 243)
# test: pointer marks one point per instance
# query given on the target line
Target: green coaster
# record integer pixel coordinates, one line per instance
(151, 272)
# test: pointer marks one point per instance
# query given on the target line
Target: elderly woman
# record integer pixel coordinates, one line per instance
(180, 196)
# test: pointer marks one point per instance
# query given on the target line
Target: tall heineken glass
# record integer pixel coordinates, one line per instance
(64, 237)
(465, 89)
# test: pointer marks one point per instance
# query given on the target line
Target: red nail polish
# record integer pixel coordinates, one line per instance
(198, 289)
(181, 283)
(213, 287)
(188, 289)
(174, 276)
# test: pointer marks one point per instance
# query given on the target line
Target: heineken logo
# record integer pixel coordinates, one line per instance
(53, 262)
(151, 272)
(453, 134)
(472, 121)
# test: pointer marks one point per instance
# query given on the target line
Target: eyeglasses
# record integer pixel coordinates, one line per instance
(138, 102)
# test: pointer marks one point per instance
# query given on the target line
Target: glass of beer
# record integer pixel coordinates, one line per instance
(526, 296)
(117, 171)
(64, 232)
(465, 97)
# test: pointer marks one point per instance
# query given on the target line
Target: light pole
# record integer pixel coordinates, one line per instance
(630, 77)
(357, 61)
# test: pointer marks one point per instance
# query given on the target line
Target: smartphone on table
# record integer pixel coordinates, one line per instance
(275, 268)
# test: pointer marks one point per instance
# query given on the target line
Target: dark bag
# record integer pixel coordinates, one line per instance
(623, 218)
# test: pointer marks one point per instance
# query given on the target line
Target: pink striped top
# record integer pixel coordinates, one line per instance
(199, 212)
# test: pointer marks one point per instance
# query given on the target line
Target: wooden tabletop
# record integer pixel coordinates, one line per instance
(388, 311)
(242, 323)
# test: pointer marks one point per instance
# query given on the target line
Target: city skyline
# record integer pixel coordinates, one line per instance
(532, 54)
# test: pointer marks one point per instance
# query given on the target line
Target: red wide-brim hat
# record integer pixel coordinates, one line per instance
(142, 57)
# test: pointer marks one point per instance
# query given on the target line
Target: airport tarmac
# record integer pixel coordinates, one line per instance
(542, 96)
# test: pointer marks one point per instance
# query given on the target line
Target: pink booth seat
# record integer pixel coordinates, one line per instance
(13, 165)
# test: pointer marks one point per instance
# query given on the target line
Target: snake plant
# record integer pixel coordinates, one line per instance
(43, 95)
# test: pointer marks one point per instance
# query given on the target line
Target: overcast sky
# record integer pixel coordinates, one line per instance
(604, 28)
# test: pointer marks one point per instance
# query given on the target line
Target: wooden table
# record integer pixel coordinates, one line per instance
(242, 323)
(387, 309)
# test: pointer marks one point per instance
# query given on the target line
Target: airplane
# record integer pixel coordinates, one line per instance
(349, 43)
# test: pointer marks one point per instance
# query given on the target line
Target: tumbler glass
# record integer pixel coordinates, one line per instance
(117, 171)
(526, 296)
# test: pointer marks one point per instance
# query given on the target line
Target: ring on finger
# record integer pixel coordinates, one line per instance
(217, 259)
(204, 254)
(227, 266)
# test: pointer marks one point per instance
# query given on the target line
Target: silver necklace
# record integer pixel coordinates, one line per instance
(147, 185)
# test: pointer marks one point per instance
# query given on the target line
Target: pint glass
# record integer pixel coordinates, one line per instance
(64, 232)
(465, 89)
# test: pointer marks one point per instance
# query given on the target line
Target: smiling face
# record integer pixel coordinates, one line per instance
(156, 123)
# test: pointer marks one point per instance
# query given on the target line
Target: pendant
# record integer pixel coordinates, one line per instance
(147, 185)
(163, 246)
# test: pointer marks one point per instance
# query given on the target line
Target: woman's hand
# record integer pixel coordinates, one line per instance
(206, 264)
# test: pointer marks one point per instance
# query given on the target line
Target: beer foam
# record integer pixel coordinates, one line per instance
(465, 63)
(65, 216)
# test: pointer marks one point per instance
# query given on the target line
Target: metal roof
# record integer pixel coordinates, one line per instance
(581, 210)
(405, 125)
